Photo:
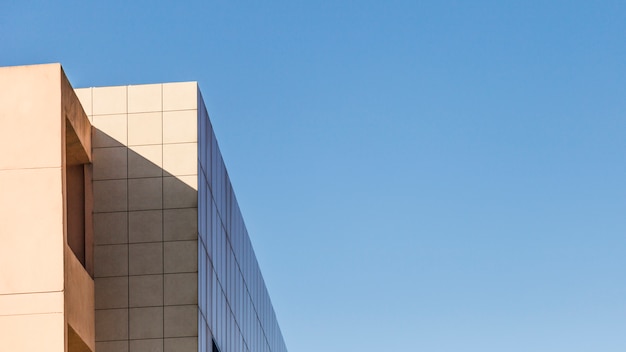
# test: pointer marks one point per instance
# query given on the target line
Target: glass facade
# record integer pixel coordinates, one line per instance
(235, 312)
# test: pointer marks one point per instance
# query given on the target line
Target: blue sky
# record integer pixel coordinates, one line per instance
(415, 175)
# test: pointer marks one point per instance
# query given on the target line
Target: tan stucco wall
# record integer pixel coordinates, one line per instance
(35, 269)
(31, 206)
(79, 300)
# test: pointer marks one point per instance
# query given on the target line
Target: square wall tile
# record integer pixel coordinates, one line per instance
(146, 290)
(110, 260)
(110, 228)
(180, 192)
(109, 100)
(150, 345)
(180, 224)
(180, 96)
(109, 163)
(112, 346)
(180, 159)
(145, 128)
(145, 226)
(181, 344)
(181, 321)
(180, 126)
(111, 324)
(84, 96)
(146, 258)
(109, 196)
(145, 193)
(146, 322)
(145, 161)
(144, 98)
(110, 131)
(111, 292)
(181, 256)
(181, 288)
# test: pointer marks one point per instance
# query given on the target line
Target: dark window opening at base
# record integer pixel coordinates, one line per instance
(75, 179)
(215, 348)
(78, 199)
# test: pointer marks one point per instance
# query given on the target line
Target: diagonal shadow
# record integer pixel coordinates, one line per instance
(173, 264)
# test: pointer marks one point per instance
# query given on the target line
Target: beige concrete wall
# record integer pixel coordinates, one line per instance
(79, 300)
(35, 103)
(31, 209)
(145, 216)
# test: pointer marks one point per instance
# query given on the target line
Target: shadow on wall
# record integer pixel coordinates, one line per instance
(145, 247)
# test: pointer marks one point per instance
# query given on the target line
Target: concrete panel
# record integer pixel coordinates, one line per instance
(112, 346)
(109, 163)
(30, 116)
(31, 232)
(180, 224)
(145, 161)
(181, 344)
(146, 322)
(181, 289)
(181, 321)
(180, 192)
(145, 193)
(37, 332)
(180, 96)
(145, 128)
(110, 131)
(110, 196)
(151, 345)
(146, 258)
(79, 299)
(145, 226)
(181, 256)
(180, 126)
(110, 228)
(111, 260)
(77, 121)
(111, 324)
(146, 290)
(31, 303)
(180, 159)
(84, 96)
(111, 292)
(144, 98)
(109, 100)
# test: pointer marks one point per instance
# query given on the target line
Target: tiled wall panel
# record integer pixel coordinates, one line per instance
(145, 216)
(175, 268)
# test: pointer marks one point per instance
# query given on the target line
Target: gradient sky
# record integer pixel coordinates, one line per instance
(435, 176)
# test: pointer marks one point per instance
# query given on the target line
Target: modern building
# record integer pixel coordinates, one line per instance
(119, 227)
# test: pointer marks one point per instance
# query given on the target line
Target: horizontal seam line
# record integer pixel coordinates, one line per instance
(34, 168)
(29, 293)
(24, 314)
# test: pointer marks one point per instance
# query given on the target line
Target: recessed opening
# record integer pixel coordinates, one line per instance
(75, 180)
(77, 184)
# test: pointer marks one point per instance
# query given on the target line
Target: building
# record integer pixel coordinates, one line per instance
(119, 227)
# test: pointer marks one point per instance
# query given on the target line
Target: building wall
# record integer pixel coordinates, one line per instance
(44, 289)
(235, 308)
(145, 216)
(174, 266)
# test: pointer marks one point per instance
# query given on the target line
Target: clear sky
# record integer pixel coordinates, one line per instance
(436, 176)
